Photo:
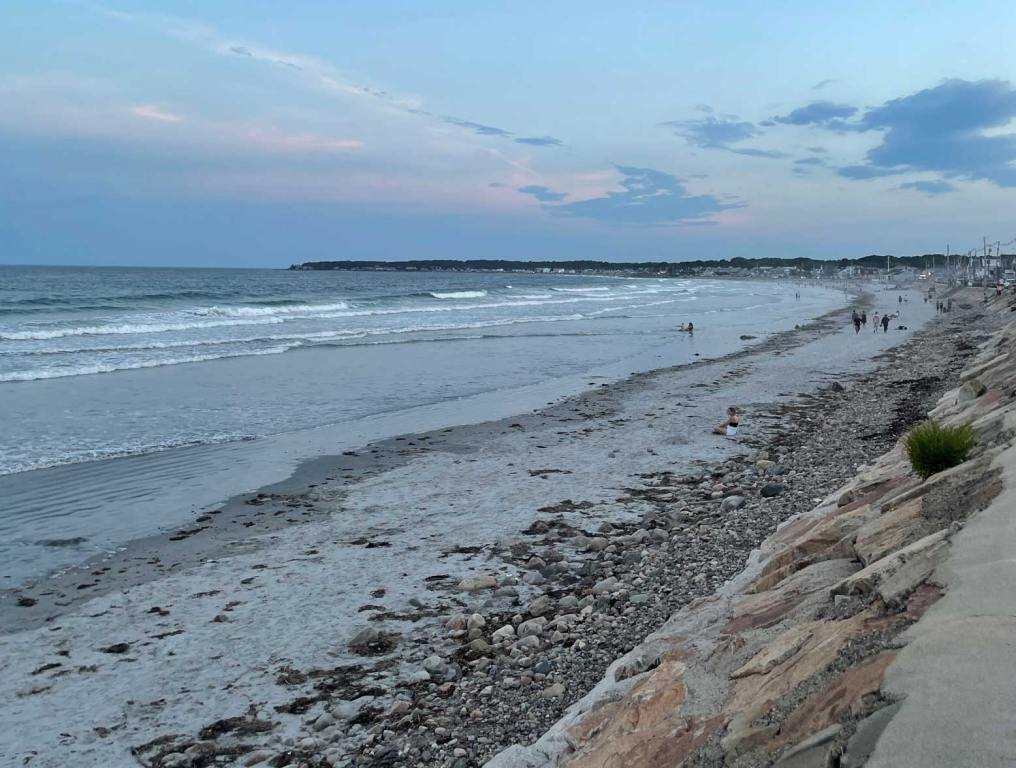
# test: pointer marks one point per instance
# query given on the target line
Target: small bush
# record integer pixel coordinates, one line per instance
(932, 447)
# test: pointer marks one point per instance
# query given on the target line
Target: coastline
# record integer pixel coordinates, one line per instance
(373, 481)
(57, 516)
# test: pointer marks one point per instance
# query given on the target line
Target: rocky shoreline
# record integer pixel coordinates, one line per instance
(494, 656)
(787, 665)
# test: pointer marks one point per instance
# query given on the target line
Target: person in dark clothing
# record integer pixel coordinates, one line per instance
(864, 318)
(856, 318)
(885, 323)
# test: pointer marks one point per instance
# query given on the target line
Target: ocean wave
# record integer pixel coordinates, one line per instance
(86, 370)
(126, 329)
(458, 294)
(269, 309)
(580, 290)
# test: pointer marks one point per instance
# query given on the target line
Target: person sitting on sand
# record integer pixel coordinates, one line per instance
(729, 427)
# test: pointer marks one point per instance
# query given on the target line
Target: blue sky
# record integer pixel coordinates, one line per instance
(256, 133)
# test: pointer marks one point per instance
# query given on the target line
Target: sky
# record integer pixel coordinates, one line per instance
(258, 133)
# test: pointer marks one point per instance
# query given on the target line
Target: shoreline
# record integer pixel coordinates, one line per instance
(217, 521)
(598, 408)
(95, 506)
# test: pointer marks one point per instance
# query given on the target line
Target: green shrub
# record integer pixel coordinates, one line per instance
(932, 447)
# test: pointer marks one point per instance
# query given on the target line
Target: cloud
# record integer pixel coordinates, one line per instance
(954, 129)
(930, 188)
(704, 108)
(649, 197)
(750, 152)
(822, 113)
(823, 83)
(720, 132)
(314, 72)
(810, 161)
(478, 128)
(713, 132)
(818, 150)
(153, 112)
(539, 141)
(543, 194)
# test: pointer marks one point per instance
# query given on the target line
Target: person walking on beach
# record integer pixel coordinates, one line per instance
(728, 427)
(885, 323)
(874, 323)
(864, 318)
(857, 322)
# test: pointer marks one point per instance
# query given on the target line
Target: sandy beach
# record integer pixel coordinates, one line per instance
(434, 598)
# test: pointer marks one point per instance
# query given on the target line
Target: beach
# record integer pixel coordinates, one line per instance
(435, 597)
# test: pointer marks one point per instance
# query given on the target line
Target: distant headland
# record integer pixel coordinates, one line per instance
(731, 267)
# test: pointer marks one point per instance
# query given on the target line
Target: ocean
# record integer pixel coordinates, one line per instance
(133, 398)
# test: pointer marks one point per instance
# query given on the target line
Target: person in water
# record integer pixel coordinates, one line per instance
(689, 328)
(728, 427)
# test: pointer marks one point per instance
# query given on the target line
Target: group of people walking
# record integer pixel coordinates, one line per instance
(861, 319)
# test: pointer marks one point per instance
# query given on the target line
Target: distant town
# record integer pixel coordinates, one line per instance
(968, 269)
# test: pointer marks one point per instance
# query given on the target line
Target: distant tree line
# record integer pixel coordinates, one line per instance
(874, 261)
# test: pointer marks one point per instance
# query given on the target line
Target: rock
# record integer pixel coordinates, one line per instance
(845, 498)
(763, 465)
(532, 627)
(541, 605)
(778, 651)
(324, 721)
(529, 643)
(971, 390)
(597, 544)
(769, 490)
(605, 586)
(476, 621)
(507, 632)
(26, 602)
(479, 646)
(731, 503)
(862, 743)
(745, 738)
(747, 337)
(435, 666)
(533, 578)
(568, 603)
(458, 621)
(418, 676)
(544, 667)
(812, 752)
(640, 599)
(845, 694)
(899, 573)
(556, 691)
(477, 583)
(116, 648)
(370, 641)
